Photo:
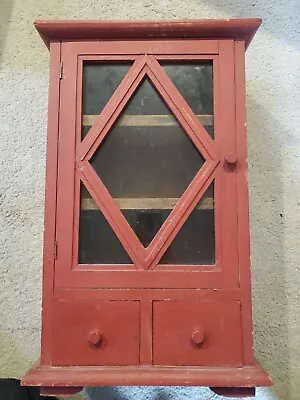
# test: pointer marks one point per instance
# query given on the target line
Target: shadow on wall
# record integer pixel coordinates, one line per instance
(150, 393)
(277, 17)
(269, 276)
(5, 14)
(14, 362)
(270, 297)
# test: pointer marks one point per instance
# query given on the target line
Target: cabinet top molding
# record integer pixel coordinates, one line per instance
(238, 29)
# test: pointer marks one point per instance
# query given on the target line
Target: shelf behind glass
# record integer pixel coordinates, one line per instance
(88, 203)
(146, 120)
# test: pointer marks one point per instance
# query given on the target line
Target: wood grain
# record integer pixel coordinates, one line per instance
(243, 201)
(247, 376)
(242, 29)
(50, 200)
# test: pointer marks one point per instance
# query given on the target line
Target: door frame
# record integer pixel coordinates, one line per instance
(224, 274)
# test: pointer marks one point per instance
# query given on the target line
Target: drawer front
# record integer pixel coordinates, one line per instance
(197, 333)
(95, 332)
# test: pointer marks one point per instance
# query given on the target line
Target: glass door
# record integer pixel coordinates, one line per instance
(150, 192)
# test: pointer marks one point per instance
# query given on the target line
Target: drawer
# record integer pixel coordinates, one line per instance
(95, 332)
(197, 333)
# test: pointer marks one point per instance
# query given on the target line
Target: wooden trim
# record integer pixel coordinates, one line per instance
(146, 326)
(66, 155)
(243, 202)
(238, 29)
(248, 376)
(119, 59)
(178, 277)
(149, 294)
(218, 134)
(163, 58)
(146, 120)
(77, 182)
(133, 48)
(225, 138)
(162, 267)
(186, 58)
(50, 201)
(147, 204)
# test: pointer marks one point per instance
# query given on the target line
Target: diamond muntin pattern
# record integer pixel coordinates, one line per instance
(145, 153)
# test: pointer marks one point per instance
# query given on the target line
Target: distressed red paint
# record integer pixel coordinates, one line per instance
(84, 341)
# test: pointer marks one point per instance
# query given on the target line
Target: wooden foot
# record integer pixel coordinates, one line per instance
(234, 392)
(60, 391)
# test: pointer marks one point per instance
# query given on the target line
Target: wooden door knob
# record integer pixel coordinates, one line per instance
(231, 158)
(197, 337)
(95, 336)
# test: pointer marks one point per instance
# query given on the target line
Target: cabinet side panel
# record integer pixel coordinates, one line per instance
(243, 202)
(50, 201)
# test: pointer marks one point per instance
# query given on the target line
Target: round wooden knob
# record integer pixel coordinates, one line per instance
(197, 337)
(231, 159)
(95, 336)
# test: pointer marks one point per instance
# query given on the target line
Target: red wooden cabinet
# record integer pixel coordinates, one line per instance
(146, 247)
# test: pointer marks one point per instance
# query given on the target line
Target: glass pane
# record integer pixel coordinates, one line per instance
(98, 243)
(146, 162)
(195, 242)
(195, 83)
(100, 80)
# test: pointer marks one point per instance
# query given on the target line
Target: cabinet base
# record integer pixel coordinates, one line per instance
(69, 380)
(224, 391)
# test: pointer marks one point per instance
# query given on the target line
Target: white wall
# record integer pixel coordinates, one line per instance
(273, 80)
